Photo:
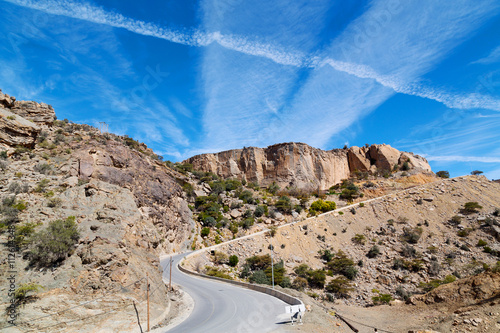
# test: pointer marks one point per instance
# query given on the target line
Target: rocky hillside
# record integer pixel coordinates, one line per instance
(87, 214)
(403, 244)
(299, 165)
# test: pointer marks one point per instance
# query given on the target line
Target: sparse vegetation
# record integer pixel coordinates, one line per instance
(53, 244)
(443, 174)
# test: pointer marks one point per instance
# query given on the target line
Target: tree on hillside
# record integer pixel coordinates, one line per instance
(443, 174)
(476, 172)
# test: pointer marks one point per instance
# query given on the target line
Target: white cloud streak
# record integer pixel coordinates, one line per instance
(457, 158)
(491, 58)
(279, 55)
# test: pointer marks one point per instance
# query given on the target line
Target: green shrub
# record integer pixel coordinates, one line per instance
(273, 188)
(361, 204)
(359, 239)
(481, 243)
(233, 260)
(21, 293)
(426, 287)
(284, 205)
(273, 230)
(247, 197)
(412, 235)
(41, 186)
(52, 245)
(259, 277)
(188, 188)
(299, 283)
(43, 168)
(3, 154)
(316, 278)
(259, 262)
(260, 210)
(382, 299)
(464, 232)
(340, 287)
(443, 174)
(471, 207)
(326, 255)
(232, 184)
(214, 271)
(54, 202)
(456, 220)
(17, 188)
(247, 223)
(341, 264)
(321, 206)
(23, 233)
(373, 252)
(205, 232)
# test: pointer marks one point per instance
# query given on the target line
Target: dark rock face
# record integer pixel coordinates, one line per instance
(156, 192)
(297, 164)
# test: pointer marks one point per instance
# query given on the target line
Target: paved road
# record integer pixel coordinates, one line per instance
(221, 307)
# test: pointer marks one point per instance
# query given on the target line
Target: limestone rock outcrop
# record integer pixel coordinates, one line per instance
(16, 131)
(302, 166)
(157, 194)
(39, 113)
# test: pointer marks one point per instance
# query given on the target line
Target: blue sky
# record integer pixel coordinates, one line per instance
(189, 77)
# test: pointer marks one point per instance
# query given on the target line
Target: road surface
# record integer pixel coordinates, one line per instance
(220, 307)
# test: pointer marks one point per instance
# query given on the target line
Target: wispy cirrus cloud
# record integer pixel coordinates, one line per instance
(274, 51)
(491, 58)
(456, 158)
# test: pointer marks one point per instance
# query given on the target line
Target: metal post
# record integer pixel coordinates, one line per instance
(170, 281)
(272, 260)
(147, 288)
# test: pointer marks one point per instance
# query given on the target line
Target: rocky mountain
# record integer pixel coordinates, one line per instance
(302, 166)
(126, 204)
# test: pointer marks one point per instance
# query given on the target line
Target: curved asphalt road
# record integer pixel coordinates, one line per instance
(221, 307)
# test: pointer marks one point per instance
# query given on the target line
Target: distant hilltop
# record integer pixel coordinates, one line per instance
(300, 165)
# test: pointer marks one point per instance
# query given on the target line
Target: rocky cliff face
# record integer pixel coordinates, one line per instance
(302, 166)
(20, 121)
(127, 204)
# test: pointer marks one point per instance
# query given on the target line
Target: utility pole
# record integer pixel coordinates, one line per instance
(147, 292)
(170, 281)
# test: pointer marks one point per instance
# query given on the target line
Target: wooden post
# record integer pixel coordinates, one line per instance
(147, 292)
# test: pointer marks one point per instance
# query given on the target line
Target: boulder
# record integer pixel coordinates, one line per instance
(17, 131)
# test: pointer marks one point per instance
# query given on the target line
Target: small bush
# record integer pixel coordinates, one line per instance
(322, 206)
(426, 287)
(359, 239)
(272, 231)
(299, 283)
(41, 186)
(260, 210)
(21, 293)
(205, 232)
(481, 243)
(373, 252)
(340, 287)
(43, 168)
(382, 299)
(3, 154)
(403, 293)
(259, 277)
(412, 235)
(233, 260)
(456, 220)
(443, 174)
(471, 207)
(53, 244)
(464, 232)
(214, 271)
(17, 188)
(273, 188)
(54, 202)
(316, 278)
